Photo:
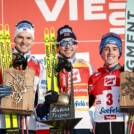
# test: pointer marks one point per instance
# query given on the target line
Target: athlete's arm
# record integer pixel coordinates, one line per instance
(91, 99)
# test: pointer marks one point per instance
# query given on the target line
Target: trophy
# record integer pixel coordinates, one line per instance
(64, 107)
(61, 113)
(21, 80)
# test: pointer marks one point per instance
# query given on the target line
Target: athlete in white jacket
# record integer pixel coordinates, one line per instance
(24, 40)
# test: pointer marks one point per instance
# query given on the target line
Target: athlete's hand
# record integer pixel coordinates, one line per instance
(43, 109)
(19, 61)
(51, 97)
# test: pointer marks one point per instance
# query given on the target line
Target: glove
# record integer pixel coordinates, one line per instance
(19, 60)
(5, 91)
(63, 63)
(50, 97)
(43, 109)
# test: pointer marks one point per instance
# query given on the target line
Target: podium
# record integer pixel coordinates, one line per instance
(65, 124)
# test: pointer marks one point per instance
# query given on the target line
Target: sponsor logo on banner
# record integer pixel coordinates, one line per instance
(110, 117)
(80, 90)
(110, 80)
(81, 104)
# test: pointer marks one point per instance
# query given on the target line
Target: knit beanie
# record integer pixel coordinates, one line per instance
(24, 25)
(111, 38)
(65, 32)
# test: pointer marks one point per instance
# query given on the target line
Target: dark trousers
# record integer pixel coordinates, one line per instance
(74, 131)
(81, 131)
(30, 132)
(109, 128)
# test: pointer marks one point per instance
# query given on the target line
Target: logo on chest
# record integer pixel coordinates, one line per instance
(110, 80)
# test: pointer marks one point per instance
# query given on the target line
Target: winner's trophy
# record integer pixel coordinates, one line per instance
(64, 107)
(61, 113)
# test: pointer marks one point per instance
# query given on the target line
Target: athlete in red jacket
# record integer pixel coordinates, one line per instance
(67, 46)
(105, 87)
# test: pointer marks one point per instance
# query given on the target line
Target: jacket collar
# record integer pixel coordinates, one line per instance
(108, 69)
(72, 60)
